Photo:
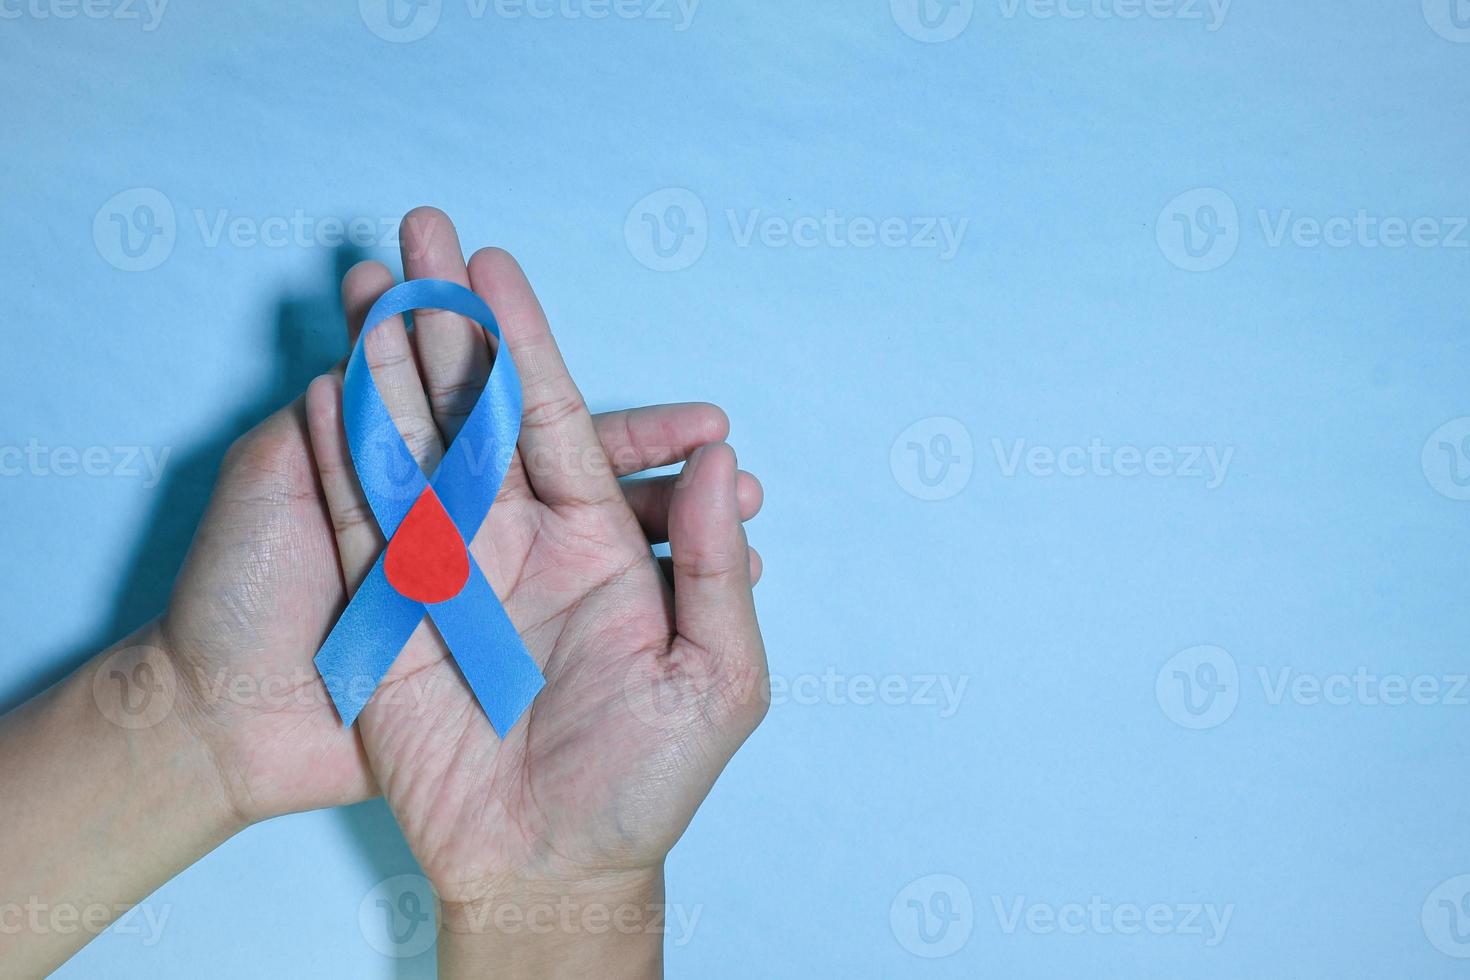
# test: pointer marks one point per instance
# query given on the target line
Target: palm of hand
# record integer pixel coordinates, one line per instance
(241, 648)
(646, 697)
(591, 779)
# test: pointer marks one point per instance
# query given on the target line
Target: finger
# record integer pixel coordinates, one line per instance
(666, 565)
(637, 439)
(454, 359)
(361, 287)
(358, 537)
(390, 356)
(713, 606)
(651, 498)
(558, 443)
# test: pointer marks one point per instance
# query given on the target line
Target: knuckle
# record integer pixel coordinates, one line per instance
(349, 518)
(552, 410)
(707, 563)
(389, 358)
(455, 398)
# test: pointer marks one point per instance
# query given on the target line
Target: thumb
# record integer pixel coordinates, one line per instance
(714, 608)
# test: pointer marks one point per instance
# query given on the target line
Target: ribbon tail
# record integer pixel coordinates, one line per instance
(489, 651)
(365, 642)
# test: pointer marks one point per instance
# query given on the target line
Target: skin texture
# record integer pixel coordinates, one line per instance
(651, 687)
(655, 675)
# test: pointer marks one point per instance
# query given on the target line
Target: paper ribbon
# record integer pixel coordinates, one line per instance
(427, 567)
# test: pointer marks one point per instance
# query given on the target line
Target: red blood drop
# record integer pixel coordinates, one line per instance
(427, 560)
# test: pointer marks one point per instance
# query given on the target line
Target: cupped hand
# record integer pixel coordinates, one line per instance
(263, 582)
(654, 676)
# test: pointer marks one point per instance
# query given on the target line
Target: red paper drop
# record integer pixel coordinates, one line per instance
(427, 560)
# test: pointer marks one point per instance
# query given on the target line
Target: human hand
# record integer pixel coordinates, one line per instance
(593, 786)
(262, 584)
(245, 729)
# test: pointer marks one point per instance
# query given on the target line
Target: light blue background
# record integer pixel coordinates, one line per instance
(1057, 600)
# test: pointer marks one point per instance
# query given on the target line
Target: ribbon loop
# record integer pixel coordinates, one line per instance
(427, 568)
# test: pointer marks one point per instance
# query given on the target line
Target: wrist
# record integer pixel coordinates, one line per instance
(142, 699)
(105, 794)
(609, 925)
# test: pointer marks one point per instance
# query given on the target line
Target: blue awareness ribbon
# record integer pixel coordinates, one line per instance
(379, 619)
